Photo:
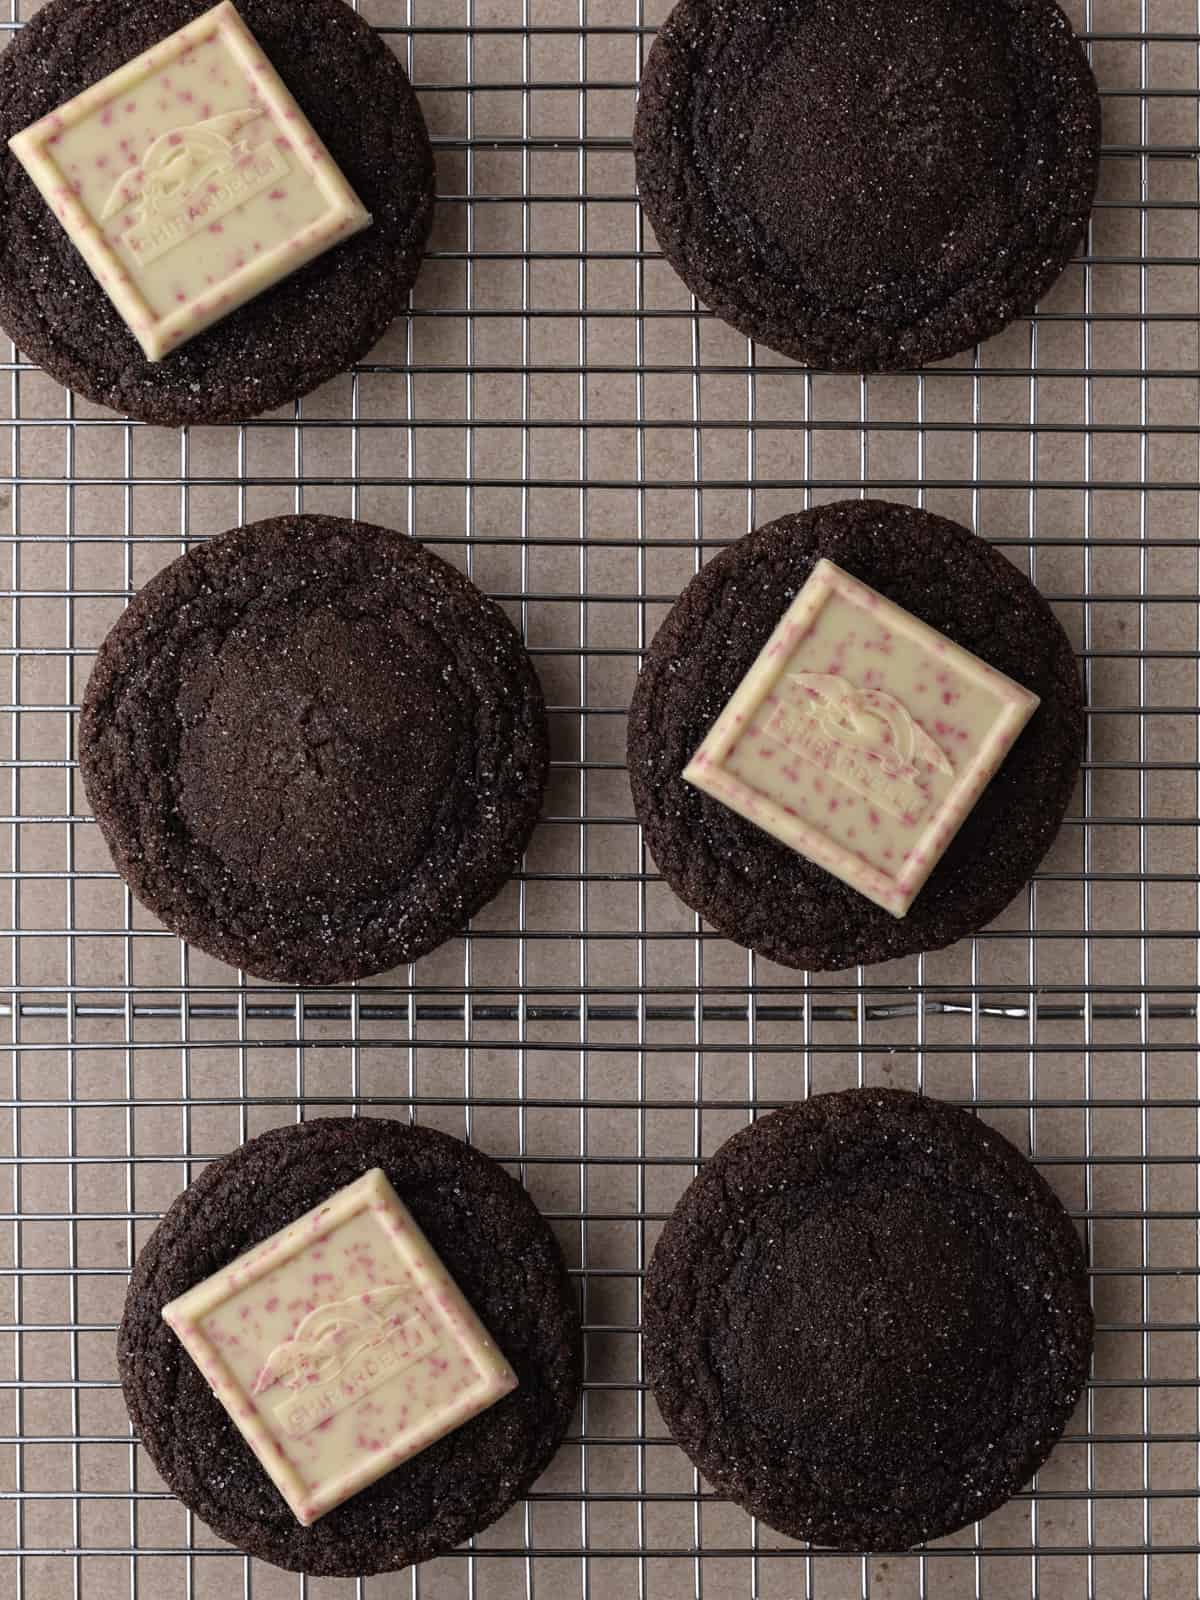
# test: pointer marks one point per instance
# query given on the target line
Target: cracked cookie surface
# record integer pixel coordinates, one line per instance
(868, 185)
(314, 748)
(867, 1320)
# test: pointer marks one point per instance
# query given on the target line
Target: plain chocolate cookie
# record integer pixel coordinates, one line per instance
(308, 328)
(496, 1247)
(863, 184)
(314, 748)
(742, 880)
(867, 1320)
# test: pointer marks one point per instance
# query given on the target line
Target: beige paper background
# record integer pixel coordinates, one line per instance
(579, 461)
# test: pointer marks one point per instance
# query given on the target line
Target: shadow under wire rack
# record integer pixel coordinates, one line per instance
(562, 420)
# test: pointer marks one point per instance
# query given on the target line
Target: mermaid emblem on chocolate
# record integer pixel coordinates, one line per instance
(863, 737)
(331, 1337)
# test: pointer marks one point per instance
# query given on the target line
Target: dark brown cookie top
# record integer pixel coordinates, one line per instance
(308, 328)
(496, 1247)
(863, 184)
(314, 748)
(747, 884)
(867, 1320)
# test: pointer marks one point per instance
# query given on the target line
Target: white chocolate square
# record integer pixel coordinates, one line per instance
(340, 1347)
(861, 737)
(189, 180)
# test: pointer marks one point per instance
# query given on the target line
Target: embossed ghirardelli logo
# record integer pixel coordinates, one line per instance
(340, 1352)
(190, 178)
(862, 737)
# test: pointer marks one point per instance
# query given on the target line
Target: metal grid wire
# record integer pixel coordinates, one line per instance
(563, 421)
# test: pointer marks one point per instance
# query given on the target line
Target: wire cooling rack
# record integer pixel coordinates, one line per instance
(562, 420)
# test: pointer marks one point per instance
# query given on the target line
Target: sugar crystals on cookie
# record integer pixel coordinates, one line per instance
(190, 181)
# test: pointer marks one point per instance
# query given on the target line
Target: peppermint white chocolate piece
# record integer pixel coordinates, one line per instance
(340, 1347)
(189, 180)
(861, 737)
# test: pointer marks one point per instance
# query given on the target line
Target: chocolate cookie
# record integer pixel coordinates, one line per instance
(314, 748)
(867, 1321)
(308, 328)
(862, 185)
(498, 1250)
(742, 880)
